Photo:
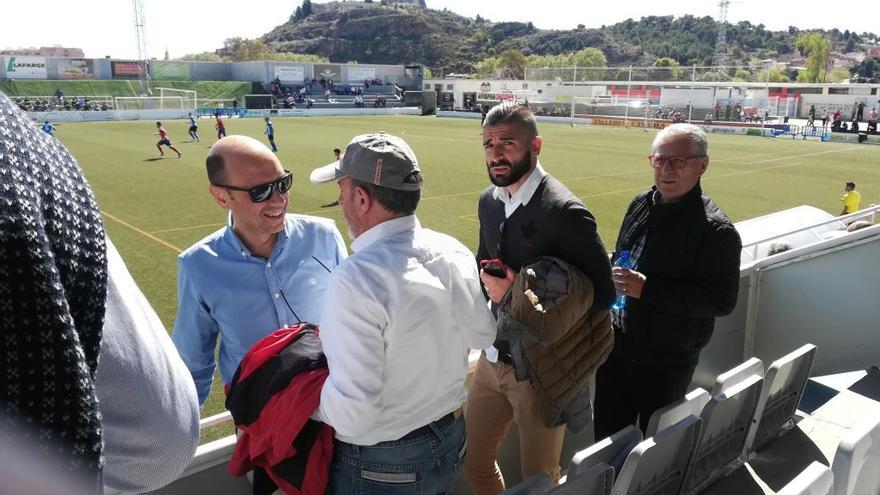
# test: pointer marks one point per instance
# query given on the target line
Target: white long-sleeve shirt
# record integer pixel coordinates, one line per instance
(399, 316)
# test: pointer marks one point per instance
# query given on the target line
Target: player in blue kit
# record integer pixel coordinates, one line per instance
(270, 133)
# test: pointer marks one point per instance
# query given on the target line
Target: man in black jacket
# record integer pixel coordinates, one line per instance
(524, 215)
(686, 272)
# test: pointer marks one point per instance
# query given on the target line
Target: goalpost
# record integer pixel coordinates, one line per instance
(187, 97)
(152, 103)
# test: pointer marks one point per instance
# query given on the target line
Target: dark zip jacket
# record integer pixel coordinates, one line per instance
(691, 260)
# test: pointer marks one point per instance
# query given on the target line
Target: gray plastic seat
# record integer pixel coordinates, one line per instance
(610, 451)
(691, 405)
(597, 480)
(784, 384)
(727, 420)
(752, 367)
(856, 463)
(536, 485)
(657, 465)
(815, 480)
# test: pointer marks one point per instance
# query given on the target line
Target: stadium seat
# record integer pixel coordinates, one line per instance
(692, 404)
(784, 385)
(752, 367)
(536, 485)
(611, 451)
(657, 465)
(815, 480)
(857, 459)
(727, 419)
(597, 480)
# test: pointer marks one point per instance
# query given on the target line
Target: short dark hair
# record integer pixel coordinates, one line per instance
(337, 150)
(216, 168)
(158, 123)
(510, 112)
(851, 184)
(393, 200)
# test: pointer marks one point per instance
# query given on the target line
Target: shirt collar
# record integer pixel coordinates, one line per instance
(524, 193)
(387, 228)
(234, 241)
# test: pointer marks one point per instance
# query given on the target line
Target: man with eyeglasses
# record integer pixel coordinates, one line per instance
(526, 213)
(264, 270)
(685, 254)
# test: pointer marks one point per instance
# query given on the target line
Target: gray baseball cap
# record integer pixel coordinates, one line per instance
(380, 159)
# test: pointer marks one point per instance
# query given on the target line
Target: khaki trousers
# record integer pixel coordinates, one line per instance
(494, 400)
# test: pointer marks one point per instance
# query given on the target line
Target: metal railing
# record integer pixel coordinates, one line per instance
(869, 212)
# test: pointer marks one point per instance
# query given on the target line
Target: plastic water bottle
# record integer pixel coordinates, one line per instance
(623, 261)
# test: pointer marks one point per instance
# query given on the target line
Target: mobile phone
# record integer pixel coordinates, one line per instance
(494, 267)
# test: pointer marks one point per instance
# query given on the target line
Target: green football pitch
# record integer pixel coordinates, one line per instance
(154, 208)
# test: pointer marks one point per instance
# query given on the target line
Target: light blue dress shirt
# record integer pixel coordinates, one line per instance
(225, 290)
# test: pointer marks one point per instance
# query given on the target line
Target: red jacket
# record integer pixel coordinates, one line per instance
(275, 390)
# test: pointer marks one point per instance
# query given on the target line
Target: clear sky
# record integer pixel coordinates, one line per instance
(105, 27)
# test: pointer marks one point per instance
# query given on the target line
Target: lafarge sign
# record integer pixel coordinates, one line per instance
(25, 67)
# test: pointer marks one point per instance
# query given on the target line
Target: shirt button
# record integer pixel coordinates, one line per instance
(268, 264)
(277, 295)
(313, 281)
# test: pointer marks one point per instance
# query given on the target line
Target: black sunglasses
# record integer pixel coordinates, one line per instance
(264, 191)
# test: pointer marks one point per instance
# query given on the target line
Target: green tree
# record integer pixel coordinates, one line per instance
(741, 75)
(296, 57)
(487, 67)
(666, 69)
(241, 49)
(838, 75)
(817, 47)
(514, 62)
(775, 76)
(868, 68)
(202, 57)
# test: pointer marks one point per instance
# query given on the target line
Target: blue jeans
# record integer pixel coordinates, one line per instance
(426, 464)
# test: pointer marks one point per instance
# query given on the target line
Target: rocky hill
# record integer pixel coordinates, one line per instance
(394, 33)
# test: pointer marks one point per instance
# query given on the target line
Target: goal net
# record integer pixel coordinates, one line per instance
(154, 103)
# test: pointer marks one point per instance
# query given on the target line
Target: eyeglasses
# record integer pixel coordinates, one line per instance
(264, 191)
(676, 162)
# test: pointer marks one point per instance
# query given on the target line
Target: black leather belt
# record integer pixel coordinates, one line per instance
(439, 424)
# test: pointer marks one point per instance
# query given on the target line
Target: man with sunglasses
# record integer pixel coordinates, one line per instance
(264, 270)
(685, 254)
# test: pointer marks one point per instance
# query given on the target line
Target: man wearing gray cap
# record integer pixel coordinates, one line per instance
(399, 317)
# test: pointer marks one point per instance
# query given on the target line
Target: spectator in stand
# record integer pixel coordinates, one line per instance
(128, 420)
(811, 116)
(872, 120)
(686, 256)
(861, 111)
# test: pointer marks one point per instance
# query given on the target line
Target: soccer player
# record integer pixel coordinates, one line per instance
(163, 139)
(221, 128)
(193, 128)
(48, 128)
(270, 133)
